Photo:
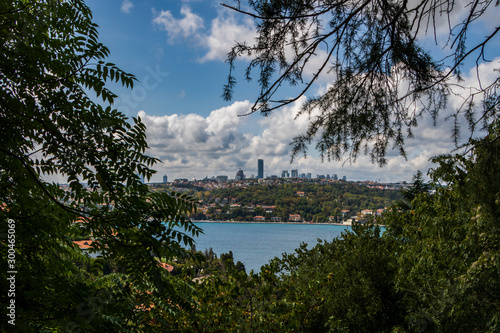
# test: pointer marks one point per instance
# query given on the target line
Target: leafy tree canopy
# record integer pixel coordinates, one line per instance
(52, 71)
(382, 79)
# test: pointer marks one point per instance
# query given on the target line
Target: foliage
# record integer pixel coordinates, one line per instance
(342, 285)
(318, 203)
(52, 69)
(381, 77)
(418, 186)
(449, 257)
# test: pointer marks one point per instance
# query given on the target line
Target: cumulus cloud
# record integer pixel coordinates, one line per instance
(224, 33)
(279, 128)
(127, 5)
(188, 26)
(217, 40)
(192, 144)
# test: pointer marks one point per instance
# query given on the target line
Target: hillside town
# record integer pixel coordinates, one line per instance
(230, 200)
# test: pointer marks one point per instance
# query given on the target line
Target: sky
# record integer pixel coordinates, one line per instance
(177, 50)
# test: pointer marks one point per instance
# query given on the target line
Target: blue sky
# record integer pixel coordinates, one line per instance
(177, 49)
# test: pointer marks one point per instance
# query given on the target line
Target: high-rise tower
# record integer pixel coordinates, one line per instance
(240, 175)
(260, 168)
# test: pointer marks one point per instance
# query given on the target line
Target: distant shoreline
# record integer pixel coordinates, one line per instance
(301, 223)
(304, 223)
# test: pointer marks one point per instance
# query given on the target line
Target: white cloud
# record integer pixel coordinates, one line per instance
(127, 5)
(218, 39)
(224, 33)
(188, 26)
(191, 144)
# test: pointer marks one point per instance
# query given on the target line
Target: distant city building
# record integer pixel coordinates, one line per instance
(334, 177)
(309, 175)
(165, 179)
(295, 173)
(240, 175)
(327, 177)
(302, 175)
(320, 176)
(221, 178)
(344, 178)
(260, 168)
(285, 174)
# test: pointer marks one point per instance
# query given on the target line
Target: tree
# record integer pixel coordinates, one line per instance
(448, 256)
(52, 72)
(418, 186)
(382, 79)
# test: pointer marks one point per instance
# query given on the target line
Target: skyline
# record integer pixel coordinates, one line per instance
(177, 50)
(241, 174)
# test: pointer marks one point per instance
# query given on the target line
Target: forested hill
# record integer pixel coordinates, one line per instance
(313, 201)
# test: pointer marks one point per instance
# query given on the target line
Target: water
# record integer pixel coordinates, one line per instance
(255, 244)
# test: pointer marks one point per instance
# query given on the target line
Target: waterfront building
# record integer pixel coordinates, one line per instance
(259, 219)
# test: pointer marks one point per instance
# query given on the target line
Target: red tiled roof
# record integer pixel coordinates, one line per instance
(166, 266)
(84, 244)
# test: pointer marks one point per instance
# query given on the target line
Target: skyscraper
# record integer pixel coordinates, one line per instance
(295, 173)
(240, 175)
(165, 179)
(260, 168)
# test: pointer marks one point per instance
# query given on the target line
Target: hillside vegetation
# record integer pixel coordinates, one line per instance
(313, 201)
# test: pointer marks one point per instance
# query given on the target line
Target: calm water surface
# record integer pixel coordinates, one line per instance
(254, 244)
